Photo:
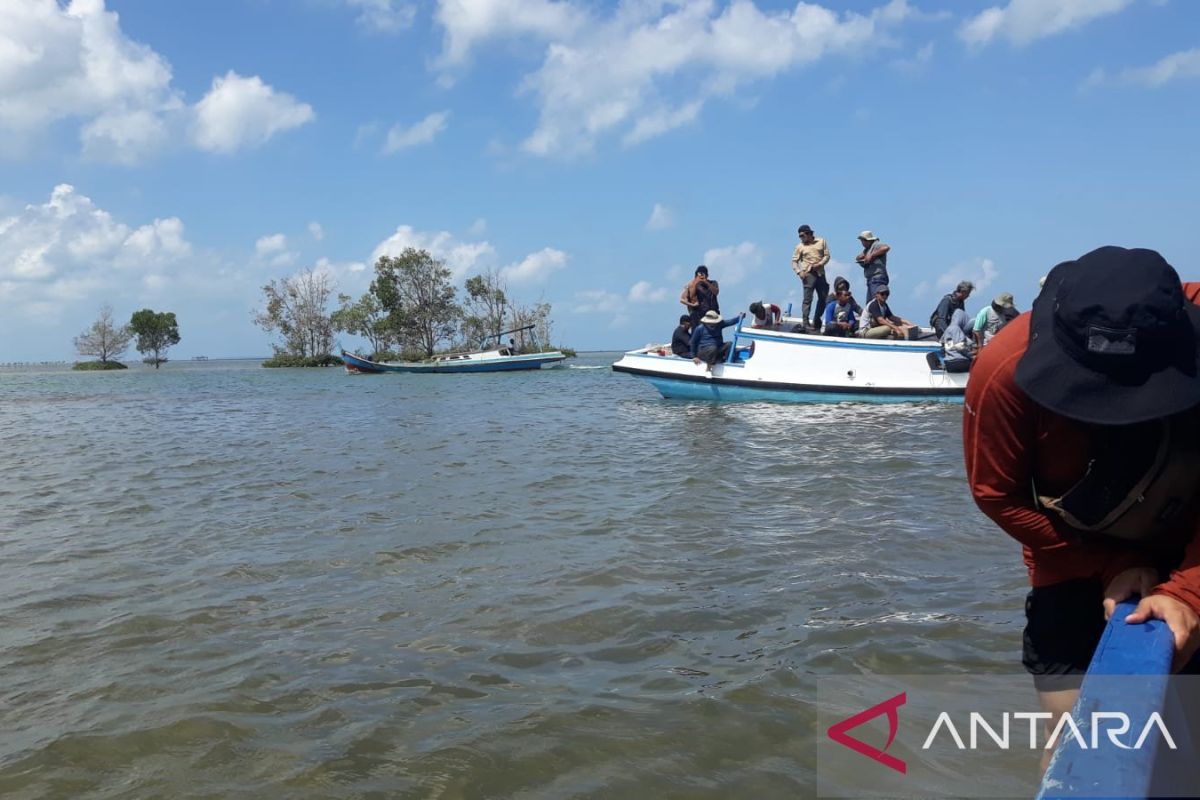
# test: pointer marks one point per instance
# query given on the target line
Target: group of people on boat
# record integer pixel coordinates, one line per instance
(837, 312)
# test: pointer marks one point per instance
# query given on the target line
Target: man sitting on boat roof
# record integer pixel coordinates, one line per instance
(681, 339)
(1080, 425)
(708, 343)
(881, 322)
(955, 301)
(840, 318)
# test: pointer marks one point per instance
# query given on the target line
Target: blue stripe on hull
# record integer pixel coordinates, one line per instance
(709, 390)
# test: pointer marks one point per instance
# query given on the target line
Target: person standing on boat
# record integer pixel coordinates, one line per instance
(991, 319)
(1094, 392)
(873, 259)
(808, 262)
(700, 295)
(840, 317)
(881, 322)
(955, 301)
(681, 339)
(708, 343)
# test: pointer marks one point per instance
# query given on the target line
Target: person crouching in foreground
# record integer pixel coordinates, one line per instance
(1069, 409)
(708, 343)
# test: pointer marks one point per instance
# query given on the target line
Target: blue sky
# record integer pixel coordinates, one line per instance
(180, 155)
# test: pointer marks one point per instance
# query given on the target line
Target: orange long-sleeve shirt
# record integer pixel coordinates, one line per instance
(1010, 443)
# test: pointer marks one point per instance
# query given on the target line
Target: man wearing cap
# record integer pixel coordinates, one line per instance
(873, 259)
(808, 262)
(955, 301)
(881, 322)
(991, 319)
(708, 343)
(1068, 414)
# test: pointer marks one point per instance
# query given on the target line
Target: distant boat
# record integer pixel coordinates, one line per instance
(197, 358)
(766, 364)
(497, 359)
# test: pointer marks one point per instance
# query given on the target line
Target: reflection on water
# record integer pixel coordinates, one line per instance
(239, 582)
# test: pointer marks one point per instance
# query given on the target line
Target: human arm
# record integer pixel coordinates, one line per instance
(875, 252)
(827, 318)
(688, 297)
(798, 261)
(696, 332)
(824, 259)
(941, 317)
(776, 315)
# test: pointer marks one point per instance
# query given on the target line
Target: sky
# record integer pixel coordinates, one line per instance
(178, 156)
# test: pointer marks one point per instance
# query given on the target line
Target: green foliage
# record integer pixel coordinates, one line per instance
(94, 366)
(414, 291)
(364, 317)
(287, 360)
(296, 309)
(155, 331)
(566, 351)
(483, 312)
(105, 339)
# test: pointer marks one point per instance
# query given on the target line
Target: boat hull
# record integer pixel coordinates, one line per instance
(358, 365)
(801, 368)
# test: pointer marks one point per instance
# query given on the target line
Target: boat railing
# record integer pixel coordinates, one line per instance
(732, 356)
(1129, 674)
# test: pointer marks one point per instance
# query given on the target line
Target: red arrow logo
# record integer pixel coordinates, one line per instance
(838, 732)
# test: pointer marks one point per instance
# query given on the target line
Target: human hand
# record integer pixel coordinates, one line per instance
(1136, 580)
(696, 361)
(1181, 619)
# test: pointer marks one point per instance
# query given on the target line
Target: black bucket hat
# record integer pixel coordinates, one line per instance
(1112, 340)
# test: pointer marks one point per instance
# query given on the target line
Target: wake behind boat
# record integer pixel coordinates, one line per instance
(766, 364)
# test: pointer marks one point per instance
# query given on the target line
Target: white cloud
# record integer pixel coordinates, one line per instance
(661, 218)
(384, 16)
(917, 62)
(1177, 66)
(980, 271)
(469, 22)
(423, 132)
(67, 250)
(599, 301)
(243, 112)
(651, 67)
(535, 266)
(1025, 21)
(316, 231)
(644, 292)
(270, 245)
(731, 265)
(73, 61)
(478, 228)
(462, 258)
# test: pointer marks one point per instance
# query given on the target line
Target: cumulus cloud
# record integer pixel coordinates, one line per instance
(62, 62)
(731, 265)
(273, 249)
(67, 250)
(647, 68)
(462, 258)
(535, 266)
(243, 112)
(661, 218)
(602, 301)
(1177, 66)
(384, 16)
(423, 132)
(316, 231)
(1025, 21)
(980, 271)
(645, 292)
(469, 22)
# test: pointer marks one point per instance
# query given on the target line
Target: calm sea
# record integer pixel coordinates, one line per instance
(230, 582)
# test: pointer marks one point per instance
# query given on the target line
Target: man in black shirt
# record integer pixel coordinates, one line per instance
(681, 340)
(940, 320)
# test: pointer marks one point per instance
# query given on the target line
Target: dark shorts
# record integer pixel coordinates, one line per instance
(1063, 625)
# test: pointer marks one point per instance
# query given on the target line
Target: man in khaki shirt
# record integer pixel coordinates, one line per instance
(808, 262)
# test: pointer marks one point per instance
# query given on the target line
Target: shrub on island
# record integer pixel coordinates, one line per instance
(285, 360)
(89, 366)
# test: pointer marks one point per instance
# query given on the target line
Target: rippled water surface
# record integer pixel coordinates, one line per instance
(225, 581)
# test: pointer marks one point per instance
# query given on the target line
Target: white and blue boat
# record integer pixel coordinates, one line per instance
(500, 359)
(779, 365)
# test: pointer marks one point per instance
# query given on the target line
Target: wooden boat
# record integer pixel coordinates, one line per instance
(767, 364)
(500, 359)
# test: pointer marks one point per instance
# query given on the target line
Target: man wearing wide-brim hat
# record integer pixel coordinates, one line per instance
(1079, 431)
(873, 259)
(708, 343)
